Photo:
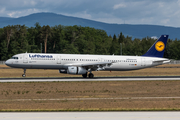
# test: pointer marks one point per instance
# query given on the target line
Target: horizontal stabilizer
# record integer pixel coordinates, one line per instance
(162, 61)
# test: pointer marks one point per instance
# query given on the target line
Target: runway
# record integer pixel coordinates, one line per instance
(139, 78)
(90, 115)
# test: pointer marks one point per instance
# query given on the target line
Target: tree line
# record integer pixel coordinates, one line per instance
(75, 39)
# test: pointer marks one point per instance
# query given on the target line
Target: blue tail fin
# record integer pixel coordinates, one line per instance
(157, 50)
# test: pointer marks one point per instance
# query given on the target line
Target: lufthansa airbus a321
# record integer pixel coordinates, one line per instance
(83, 64)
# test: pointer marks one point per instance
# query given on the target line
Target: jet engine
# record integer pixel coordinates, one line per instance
(73, 70)
(76, 70)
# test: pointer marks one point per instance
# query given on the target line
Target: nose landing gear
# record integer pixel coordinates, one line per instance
(24, 75)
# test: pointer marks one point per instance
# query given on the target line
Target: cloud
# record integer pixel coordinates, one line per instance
(156, 12)
(16, 14)
(31, 3)
(2, 10)
(119, 6)
(82, 14)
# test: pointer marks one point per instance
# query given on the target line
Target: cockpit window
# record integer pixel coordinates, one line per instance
(14, 58)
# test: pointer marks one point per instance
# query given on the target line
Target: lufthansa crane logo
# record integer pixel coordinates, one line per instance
(160, 46)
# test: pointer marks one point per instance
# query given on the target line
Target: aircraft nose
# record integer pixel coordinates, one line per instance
(7, 62)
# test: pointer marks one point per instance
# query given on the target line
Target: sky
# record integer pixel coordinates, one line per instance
(151, 12)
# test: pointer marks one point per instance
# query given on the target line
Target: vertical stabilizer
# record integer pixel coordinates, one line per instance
(157, 49)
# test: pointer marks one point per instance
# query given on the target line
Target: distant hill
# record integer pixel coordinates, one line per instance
(51, 19)
(5, 19)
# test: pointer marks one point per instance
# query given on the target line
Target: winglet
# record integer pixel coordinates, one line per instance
(157, 49)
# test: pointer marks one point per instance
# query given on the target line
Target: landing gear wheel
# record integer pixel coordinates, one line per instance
(91, 75)
(84, 75)
(23, 75)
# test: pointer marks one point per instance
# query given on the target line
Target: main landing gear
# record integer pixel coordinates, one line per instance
(24, 75)
(90, 75)
(84, 75)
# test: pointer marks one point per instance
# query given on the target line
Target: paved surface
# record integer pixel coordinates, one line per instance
(90, 79)
(90, 116)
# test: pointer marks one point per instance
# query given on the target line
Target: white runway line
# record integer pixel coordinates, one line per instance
(90, 115)
(80, 79)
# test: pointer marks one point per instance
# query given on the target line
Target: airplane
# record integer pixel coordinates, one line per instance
(80, 64)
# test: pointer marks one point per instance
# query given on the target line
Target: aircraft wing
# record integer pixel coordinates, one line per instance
(93, 66)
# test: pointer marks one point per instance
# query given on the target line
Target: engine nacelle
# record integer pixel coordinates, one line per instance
(63, 71)
(76, 70)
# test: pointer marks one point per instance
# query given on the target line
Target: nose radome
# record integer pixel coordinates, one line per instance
(7, 62)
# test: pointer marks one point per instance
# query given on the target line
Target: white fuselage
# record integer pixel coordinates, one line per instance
(63, 61)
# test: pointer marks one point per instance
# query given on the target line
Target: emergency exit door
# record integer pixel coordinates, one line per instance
(143, 62)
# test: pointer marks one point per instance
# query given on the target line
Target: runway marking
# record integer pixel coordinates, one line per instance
(119, 98)
(111, 79)
(148, 117)
(91, 115)
(140, 78)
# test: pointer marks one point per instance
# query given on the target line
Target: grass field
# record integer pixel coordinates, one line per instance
(74, 96)
(56, 96)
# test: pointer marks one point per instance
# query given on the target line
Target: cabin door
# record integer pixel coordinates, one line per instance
(58, 59)
(25, 58)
